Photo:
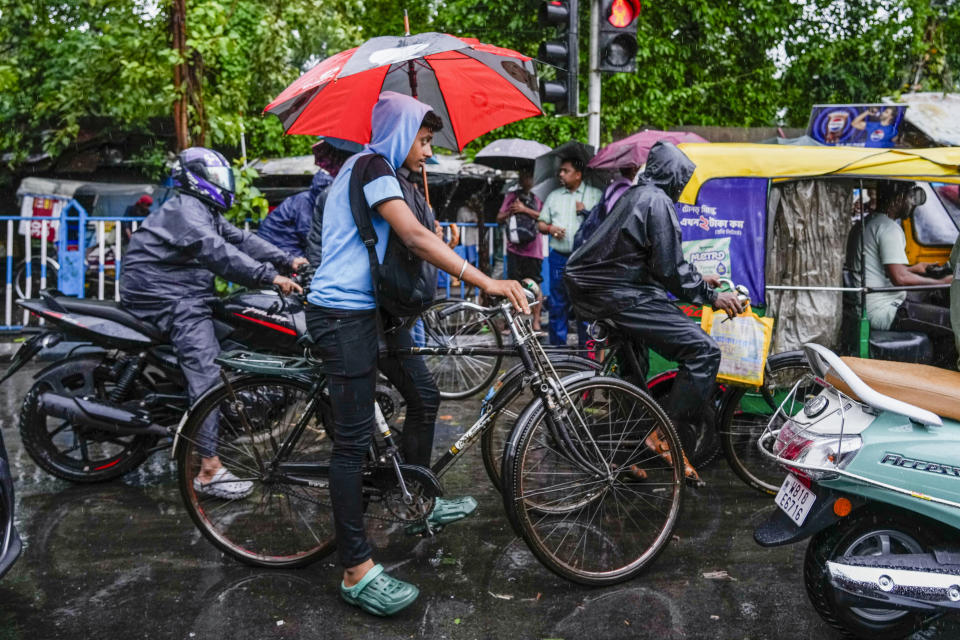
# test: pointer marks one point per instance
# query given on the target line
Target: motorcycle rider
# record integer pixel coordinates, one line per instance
(624, 272)
(168, 280)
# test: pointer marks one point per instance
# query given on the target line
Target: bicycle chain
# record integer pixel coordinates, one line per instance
(371, 516)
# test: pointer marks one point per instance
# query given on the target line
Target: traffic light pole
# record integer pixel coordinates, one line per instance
(593, 88)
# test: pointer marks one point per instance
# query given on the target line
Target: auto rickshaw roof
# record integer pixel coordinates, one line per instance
(780, 162)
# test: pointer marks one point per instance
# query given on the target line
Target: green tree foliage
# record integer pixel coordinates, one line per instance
(700, 62)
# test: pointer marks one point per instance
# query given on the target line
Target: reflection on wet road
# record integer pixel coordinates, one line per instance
(123, 560)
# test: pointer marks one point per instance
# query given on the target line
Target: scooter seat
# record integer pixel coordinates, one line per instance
(930, 388)
(109, 310)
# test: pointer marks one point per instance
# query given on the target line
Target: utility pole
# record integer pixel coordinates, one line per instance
(178, 27)
(593, 90)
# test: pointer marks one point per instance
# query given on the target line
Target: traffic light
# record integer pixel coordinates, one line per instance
(563, 53)
(618, 35)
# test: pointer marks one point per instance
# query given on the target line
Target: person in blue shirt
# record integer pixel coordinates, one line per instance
(880, 131)
(288, 226)
(341, 317)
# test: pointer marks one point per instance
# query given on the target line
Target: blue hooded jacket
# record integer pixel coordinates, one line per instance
(287, 226)
(343, 280)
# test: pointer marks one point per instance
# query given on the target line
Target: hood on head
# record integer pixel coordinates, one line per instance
(669, 169)
(395, 123)
(321, 180)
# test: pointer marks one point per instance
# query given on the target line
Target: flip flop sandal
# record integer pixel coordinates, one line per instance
(656, 442)
(444, 512)
(380, 594)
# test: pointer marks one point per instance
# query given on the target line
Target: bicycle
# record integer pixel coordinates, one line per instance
(596, 456)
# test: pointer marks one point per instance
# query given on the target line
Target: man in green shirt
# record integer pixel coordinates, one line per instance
(560, 217)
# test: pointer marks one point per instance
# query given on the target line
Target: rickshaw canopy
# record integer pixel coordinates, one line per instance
(782, 162)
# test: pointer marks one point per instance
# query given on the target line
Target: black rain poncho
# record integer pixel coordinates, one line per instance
(636, 254)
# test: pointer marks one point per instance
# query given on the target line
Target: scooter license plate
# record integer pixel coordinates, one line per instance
(794, 499)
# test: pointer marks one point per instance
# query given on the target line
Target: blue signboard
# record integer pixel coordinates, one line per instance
(724, 233)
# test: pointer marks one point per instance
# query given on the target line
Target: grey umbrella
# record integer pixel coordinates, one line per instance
(545, 169)
(511, 154)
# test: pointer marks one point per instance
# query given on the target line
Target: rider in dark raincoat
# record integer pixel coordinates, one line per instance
(624, 272)
(168, 279)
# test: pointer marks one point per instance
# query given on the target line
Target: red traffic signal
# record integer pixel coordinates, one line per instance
(622, 12)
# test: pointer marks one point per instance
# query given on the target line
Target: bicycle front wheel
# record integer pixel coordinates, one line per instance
(595, 488)
(746, 412)
(460, 376)
(284, 520)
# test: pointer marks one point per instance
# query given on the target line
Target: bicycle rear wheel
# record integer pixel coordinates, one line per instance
(595, 490)
(282, 522)
(460, 376)
(745, 414)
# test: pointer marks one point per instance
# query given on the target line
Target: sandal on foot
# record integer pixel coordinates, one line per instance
(380, 594)
(444, 512)
(223, 485)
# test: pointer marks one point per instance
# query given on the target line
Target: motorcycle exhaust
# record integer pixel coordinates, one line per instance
(90, 413)
(921, 582)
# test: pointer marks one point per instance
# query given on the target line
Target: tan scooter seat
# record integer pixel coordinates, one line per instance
(930, 388)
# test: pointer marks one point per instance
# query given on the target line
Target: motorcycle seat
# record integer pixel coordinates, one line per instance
(931, 388)
(109, 310)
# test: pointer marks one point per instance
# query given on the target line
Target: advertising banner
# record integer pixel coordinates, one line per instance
(856, 125)
(724, 233)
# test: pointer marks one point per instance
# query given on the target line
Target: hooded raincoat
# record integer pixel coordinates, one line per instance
(624, 272)
(168, 279)
(636, 254)
(288, 226)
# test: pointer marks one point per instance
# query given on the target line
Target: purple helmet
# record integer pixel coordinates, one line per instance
(206, 175)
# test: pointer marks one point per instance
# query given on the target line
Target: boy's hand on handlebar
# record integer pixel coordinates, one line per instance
(299, 262)
(728, 302)
(511, 290)
(287, 286)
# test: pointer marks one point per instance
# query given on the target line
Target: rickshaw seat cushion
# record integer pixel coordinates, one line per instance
(930, 388)
(901, 346)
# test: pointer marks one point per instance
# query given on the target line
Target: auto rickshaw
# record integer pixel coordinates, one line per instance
(777, 219)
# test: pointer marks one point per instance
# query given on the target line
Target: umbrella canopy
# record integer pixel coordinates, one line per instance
(545, 170)
(473, 87)
(511, 154)
(633, 150)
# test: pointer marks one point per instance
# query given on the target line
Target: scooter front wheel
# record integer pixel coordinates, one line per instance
(867, 534)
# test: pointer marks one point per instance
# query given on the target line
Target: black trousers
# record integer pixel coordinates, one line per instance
(410, 376)
(346, 341)
(660, 325)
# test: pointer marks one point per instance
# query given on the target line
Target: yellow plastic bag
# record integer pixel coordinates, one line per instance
(744, 343)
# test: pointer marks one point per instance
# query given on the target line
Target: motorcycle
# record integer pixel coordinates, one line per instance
(871, 448)
(119, 395)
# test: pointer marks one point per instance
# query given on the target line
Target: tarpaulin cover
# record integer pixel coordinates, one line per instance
(775, 161)
(723, 234)
(810, 221)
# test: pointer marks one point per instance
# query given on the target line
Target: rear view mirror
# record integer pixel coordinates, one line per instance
(916, 196)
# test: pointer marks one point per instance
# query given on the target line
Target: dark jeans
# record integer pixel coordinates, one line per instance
(660, 325)
(346, 341)
(410, 376)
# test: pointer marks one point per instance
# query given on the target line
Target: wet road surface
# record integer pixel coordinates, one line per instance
(123, 560)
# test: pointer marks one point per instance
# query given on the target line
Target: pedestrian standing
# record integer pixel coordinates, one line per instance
(524, 260)
(560, 218)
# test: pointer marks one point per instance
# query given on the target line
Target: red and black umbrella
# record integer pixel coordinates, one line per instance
(473, 87)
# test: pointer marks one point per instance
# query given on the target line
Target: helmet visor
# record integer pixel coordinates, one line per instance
(221, 177)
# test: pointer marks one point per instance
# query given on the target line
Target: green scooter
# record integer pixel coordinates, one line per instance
(872, 450)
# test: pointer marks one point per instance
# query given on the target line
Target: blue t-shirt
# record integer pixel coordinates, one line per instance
(343, 280)
(879, 135)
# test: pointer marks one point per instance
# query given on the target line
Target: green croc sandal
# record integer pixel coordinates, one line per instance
(380, 594)
(444, 512)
